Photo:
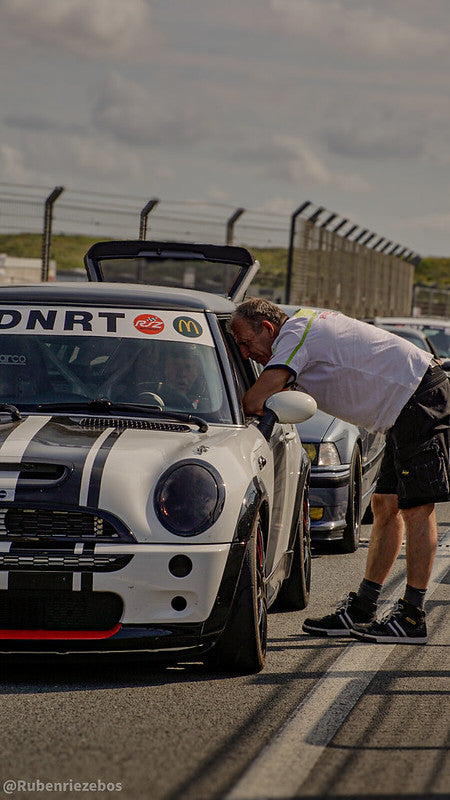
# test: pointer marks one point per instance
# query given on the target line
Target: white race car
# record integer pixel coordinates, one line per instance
(140, 511)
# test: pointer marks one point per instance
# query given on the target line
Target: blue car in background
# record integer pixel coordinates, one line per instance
(345, 463)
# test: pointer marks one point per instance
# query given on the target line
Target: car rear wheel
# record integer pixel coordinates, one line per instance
(242, 645)
(352, 531)
(294, 592)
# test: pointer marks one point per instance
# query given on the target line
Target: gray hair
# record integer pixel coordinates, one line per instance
(256, 309)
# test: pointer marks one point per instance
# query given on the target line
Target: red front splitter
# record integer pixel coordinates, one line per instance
(38, 634)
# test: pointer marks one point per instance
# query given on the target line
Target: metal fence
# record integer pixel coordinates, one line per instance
(331, 271)
(22, 209)
(429, 301)
(344, 267)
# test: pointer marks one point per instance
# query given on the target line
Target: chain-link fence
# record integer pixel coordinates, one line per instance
(331, 271)
(341, 268)
(121, 217)
(429, 301)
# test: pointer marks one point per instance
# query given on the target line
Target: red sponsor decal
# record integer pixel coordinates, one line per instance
(148, 323)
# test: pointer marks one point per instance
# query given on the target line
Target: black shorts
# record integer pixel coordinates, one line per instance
(415, 465)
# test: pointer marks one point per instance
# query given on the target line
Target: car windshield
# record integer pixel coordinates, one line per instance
(411, 336)
(52, 368)
(440, 337)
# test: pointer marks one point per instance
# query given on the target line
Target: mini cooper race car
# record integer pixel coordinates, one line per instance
(140, 511)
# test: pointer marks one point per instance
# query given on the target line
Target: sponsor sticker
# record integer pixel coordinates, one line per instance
(134, 323)
(188, 327)
(12, 358)
(148, 323)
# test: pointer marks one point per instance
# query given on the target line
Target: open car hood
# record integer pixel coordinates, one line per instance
(220, 269)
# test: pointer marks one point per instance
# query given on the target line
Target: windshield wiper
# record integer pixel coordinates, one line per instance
(104, 406)
(15, 413)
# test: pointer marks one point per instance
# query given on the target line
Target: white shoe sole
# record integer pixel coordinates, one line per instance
(370, 638)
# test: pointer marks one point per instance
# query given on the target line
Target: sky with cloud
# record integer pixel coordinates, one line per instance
(255, 103)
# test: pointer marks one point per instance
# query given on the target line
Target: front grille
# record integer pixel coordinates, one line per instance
(95, 423)
(92, 562)
(59, 610)
(22, 523)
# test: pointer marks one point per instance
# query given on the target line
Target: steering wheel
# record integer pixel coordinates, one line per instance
(166, 396)
(145, 397)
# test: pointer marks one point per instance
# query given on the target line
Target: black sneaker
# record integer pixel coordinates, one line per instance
(404, 624)
(349, 612)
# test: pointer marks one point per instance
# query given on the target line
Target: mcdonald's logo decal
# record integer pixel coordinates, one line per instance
(188, 327)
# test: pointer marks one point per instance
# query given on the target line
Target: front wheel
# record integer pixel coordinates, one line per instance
(294, 592)
(352, 531)
(242, 645)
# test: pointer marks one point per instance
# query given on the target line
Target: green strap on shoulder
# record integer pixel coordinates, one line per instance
(303, 312)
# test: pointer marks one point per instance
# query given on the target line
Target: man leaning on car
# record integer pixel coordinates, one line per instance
(370, 377)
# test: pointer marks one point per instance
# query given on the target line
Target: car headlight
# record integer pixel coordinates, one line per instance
(323, 455)
(189, 497)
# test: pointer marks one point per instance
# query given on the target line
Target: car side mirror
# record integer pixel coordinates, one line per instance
(286, 407)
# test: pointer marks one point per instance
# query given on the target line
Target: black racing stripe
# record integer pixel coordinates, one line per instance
(87, 582)
(6, 428)
(98, 466)
(60, 441)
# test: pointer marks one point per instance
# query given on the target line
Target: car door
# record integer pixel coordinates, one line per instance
(285, 449)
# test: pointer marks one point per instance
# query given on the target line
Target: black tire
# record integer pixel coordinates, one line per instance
(294, 592)
(242, 646)
(352, 531)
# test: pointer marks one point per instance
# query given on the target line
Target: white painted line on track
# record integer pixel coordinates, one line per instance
(284, 764)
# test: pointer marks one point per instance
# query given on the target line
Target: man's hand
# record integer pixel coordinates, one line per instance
(269, 382)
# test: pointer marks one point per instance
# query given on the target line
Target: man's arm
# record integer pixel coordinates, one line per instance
(269, 382)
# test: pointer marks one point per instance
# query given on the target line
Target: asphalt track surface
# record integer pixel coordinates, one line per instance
(324, 719)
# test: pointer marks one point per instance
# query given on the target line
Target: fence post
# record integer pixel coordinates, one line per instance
(144, 215)
(291, 249)
(231, 223)
(47, 233)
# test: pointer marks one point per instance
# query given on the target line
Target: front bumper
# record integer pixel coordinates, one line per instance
(142, 608)
(329, 491)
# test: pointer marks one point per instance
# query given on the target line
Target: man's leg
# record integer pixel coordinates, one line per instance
(406, 622)
(384, 546)
(421, 544)
(386, 537)
(360, 607)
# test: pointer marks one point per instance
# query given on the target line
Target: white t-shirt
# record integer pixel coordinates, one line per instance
(354, 370)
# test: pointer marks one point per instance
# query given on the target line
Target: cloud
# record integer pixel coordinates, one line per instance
(58, 158)
(375, 30)
(12, 166)
(430, 222)
(293, 160)
(88, 28)
(131, 114)
(38, 124)
(363, 140)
